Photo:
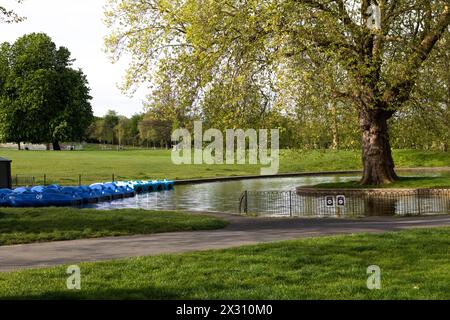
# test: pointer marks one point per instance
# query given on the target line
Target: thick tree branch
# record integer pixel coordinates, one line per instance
(399, 92)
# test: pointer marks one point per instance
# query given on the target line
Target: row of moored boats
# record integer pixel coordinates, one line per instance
(54, 195)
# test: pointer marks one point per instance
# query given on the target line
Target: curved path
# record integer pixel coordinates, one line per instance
(241, 231)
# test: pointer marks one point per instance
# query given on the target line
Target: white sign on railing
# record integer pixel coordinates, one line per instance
(331, 202)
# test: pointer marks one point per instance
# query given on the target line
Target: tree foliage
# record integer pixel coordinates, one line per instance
(253, 63)
(42, 99)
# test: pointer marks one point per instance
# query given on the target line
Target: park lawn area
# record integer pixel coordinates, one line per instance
(442, 181)
(95, 166)
(414, 264)
(19, 226)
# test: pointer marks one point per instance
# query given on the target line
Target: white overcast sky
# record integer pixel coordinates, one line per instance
(78, 25)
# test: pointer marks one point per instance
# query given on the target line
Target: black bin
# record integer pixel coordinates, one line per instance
(5, 173)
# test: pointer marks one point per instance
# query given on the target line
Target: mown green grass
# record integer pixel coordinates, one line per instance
(18, 226)
(95, 166)
(442, 181)
(414, 264)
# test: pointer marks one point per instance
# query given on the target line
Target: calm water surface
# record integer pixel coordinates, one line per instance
(214, 196)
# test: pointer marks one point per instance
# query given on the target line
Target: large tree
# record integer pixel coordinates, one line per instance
(42, 98)
(239, 50)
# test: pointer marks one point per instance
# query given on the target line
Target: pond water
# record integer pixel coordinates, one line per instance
(214, 196)
(218, 196)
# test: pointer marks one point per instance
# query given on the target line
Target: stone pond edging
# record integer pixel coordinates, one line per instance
(297, 174)
(311, 191)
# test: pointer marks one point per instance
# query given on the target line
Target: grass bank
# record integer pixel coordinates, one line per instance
(414, 265)
(442, 181)
(18, 226)
(64, 167)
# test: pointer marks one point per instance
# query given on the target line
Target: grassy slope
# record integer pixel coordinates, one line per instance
(50, 224)
(414, 265)
(98, 166)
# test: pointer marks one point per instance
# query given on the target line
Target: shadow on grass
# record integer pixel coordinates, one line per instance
(106, 294)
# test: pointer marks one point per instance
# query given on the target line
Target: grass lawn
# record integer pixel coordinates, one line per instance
(19, 226)
(442, 181)
(95, 166)
(414, 264)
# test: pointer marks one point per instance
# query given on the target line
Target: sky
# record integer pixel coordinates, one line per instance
(78, 25)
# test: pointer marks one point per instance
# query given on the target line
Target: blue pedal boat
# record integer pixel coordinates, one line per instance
(106, 195)
(53, 186)
(4, 200)
(62, 199)
(45, 197)
(168, 184)
(25, 199)
(114, 190)
(157, 185)
(147, 185)
(89, 195)
(137, 186)
(85, 195)
(127, 190)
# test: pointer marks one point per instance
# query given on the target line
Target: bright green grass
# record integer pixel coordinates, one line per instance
(49, 224)
(442, 181)
(95, 166)
(414, 264)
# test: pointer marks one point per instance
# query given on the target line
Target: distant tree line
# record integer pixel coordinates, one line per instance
(333, 129)
(143, 130)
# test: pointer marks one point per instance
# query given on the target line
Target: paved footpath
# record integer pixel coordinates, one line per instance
(241, 231)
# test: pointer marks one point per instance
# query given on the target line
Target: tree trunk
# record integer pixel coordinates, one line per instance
(18, 146)
(334, 129)
(376, 149)
(56, 146)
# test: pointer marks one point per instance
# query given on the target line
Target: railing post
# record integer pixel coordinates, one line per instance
(79, 180)
(45, 179)
(246, 202)
(290, 203)
(33, 181)
(113, 178)
(418, 202)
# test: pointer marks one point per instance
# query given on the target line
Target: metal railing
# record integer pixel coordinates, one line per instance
(19, 180)
(352, 203)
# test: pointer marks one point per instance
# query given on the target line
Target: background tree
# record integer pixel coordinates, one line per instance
(110, 121)
(134, 129)
(96, 130)
(122, 130)
(71, 124)
(378, 48)
(155, 131)
(42, 99)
